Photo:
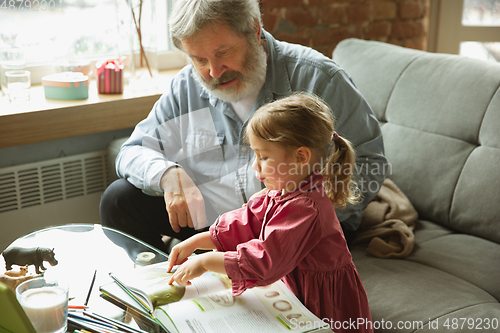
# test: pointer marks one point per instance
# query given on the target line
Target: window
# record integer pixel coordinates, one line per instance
(469, 28)
(44, 34)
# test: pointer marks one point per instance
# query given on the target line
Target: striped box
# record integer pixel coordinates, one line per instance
(110, 77)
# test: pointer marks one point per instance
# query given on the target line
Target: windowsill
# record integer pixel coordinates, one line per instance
(42, 119)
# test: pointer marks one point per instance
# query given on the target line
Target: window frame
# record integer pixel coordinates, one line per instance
(446, 22)
(169, 58)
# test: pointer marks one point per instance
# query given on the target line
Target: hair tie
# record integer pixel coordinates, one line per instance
(335, 136)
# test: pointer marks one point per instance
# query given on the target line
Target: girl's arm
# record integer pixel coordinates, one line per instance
(213, 261)
(184, 249)
(197, 265)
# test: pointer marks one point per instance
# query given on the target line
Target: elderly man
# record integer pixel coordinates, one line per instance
(186, 163)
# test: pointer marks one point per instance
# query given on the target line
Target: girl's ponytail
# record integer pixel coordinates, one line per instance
(338, 172)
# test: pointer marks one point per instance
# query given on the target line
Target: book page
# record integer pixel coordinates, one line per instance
(119, 295)
(263, 309)
(152, 282)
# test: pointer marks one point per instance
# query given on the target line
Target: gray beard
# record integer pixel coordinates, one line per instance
(255, 68)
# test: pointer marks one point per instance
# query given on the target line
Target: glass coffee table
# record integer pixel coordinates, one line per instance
(84, 249)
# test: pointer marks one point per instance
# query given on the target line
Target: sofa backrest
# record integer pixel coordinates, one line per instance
(440, 117)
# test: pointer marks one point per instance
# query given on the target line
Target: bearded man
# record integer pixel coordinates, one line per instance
(187, 162)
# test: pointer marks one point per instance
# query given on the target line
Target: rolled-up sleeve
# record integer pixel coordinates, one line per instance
(286, 239)
(237, 226)
(142, 159)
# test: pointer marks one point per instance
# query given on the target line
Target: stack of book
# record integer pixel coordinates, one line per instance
(207, 305)
(86, 321)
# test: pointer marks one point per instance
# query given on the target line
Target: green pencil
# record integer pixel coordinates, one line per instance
(140, 301)
(131, 294)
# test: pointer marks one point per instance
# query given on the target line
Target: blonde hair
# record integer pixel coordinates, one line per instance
(304, 120)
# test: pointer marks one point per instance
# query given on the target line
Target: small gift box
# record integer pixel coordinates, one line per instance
(110, 77)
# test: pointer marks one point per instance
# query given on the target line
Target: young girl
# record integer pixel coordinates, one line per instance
(290, 231)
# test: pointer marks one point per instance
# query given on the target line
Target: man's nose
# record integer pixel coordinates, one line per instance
(217, 69)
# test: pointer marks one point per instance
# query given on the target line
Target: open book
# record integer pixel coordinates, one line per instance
(207, 305)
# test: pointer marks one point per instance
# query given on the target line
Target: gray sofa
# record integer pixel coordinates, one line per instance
(440, 117)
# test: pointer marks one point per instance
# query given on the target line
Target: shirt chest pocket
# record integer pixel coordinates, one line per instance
(201, 141)
(204, 154)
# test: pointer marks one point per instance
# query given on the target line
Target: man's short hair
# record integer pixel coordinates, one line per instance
(190, 16)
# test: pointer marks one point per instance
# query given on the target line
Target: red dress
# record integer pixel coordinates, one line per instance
(297, 238)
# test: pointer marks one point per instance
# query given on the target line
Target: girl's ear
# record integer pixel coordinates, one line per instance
(303, 155)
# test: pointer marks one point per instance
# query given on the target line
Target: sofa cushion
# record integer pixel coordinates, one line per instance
(444, 94)
(447, 277)
(357, 67)
(428, 178)
(475, 207)
(396, 296)
(440, 116)
(464, 256)
(488, 134)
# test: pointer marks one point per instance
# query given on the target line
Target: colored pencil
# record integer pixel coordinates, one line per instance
(90, 289)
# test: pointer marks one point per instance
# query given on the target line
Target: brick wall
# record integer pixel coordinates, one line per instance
(321, 24)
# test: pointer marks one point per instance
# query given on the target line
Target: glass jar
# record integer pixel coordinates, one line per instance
(11, 58)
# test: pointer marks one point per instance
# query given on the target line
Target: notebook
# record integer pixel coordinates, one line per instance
(13, 319)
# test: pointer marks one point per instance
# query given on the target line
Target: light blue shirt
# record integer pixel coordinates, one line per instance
(201, 133)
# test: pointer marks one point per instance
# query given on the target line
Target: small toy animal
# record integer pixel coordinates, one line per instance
(22, 272)
(29, 256)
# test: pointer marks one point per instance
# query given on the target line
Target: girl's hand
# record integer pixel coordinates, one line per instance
(197, 265)
(186, 248)
(191, 268)
(180, 252)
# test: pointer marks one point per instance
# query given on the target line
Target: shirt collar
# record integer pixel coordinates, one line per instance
(277, 80)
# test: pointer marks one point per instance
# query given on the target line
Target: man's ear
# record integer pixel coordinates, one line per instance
(258, 29)
(303, 155)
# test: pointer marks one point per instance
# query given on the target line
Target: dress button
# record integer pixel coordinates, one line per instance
(243, 149)
(240, 180)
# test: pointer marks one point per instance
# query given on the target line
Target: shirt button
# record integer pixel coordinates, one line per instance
(240, 180)
(244, 149)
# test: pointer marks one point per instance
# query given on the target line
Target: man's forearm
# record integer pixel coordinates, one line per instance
(142, 167)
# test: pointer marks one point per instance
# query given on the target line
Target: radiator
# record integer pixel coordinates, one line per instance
(51, 192)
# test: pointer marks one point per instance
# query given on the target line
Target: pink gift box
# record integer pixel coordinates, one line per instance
(110, 77)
